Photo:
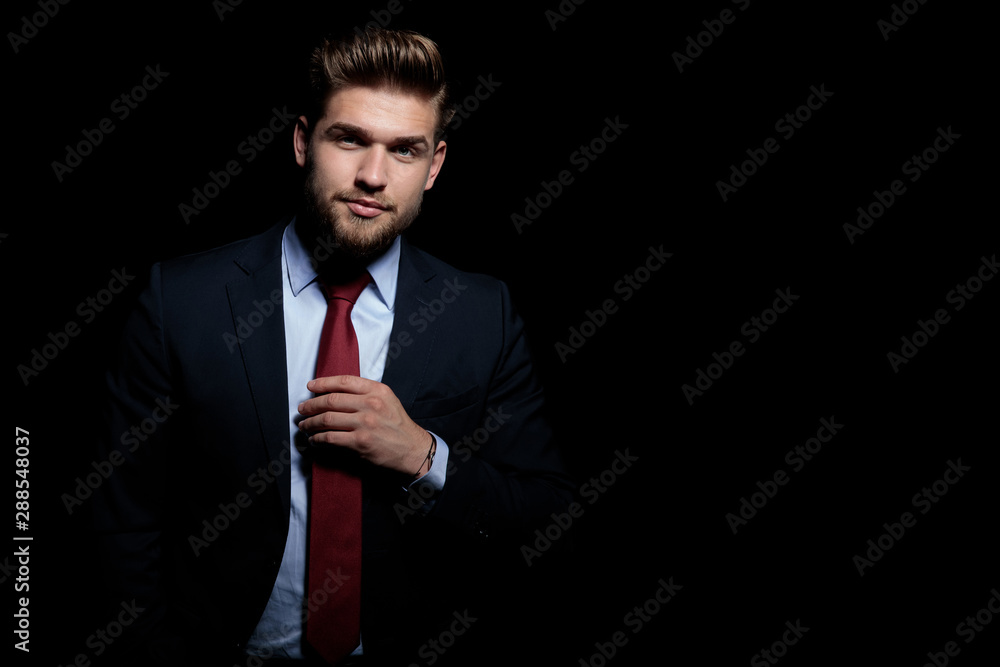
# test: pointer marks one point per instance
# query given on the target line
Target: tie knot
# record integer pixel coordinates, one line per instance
(348, 290)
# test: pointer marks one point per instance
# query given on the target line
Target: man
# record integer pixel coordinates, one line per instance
(218, 524)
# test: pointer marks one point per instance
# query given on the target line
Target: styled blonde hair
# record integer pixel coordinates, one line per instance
(399, 60)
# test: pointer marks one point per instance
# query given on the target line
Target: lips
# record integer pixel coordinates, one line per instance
(365, 208)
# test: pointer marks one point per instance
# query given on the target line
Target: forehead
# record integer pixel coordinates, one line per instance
(381, 112)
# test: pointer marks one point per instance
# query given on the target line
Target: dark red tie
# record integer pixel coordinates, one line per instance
(334, 628)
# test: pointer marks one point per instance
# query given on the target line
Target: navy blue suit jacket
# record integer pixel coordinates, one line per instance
(193, 521)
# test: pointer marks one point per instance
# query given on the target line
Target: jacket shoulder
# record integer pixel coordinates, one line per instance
(226, 262)
(437, 270)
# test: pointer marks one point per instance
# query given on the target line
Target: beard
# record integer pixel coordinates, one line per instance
(353, 237)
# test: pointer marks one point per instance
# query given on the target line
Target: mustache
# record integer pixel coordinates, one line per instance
(350, 195)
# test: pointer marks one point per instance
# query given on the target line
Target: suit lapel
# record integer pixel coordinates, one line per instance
(262, 343)
(405, 364)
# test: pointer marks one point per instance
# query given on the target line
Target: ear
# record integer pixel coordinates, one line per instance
(300, 140)
(436, 163)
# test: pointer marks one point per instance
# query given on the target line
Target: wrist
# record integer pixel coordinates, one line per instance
(428, 460)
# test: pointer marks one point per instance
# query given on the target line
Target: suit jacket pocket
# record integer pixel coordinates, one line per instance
(430, 408)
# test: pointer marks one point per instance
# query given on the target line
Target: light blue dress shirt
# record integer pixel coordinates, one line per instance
(280, 629)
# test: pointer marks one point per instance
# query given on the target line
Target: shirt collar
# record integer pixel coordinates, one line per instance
(301, 272)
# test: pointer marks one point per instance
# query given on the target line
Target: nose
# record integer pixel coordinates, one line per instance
(372, 174)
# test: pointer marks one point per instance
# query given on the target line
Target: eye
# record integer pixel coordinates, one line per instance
(405, 151)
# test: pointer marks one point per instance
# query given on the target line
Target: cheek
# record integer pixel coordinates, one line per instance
(332, 170)
(413, 185)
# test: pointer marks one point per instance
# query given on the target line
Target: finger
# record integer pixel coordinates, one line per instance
(330, 421)
(329, 443)
(359, 441)
(333, 402)
(348, 384)
(344, 439)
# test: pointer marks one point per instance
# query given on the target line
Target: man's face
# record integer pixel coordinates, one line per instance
(369, 159)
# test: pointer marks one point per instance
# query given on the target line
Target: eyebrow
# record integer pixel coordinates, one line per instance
(348, 128)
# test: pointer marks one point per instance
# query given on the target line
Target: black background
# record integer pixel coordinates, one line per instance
(655, 185)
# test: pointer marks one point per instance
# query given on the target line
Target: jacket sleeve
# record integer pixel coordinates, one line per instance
(509, 482)
(128, 510)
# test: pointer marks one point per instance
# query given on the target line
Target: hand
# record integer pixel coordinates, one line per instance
(364, 416)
